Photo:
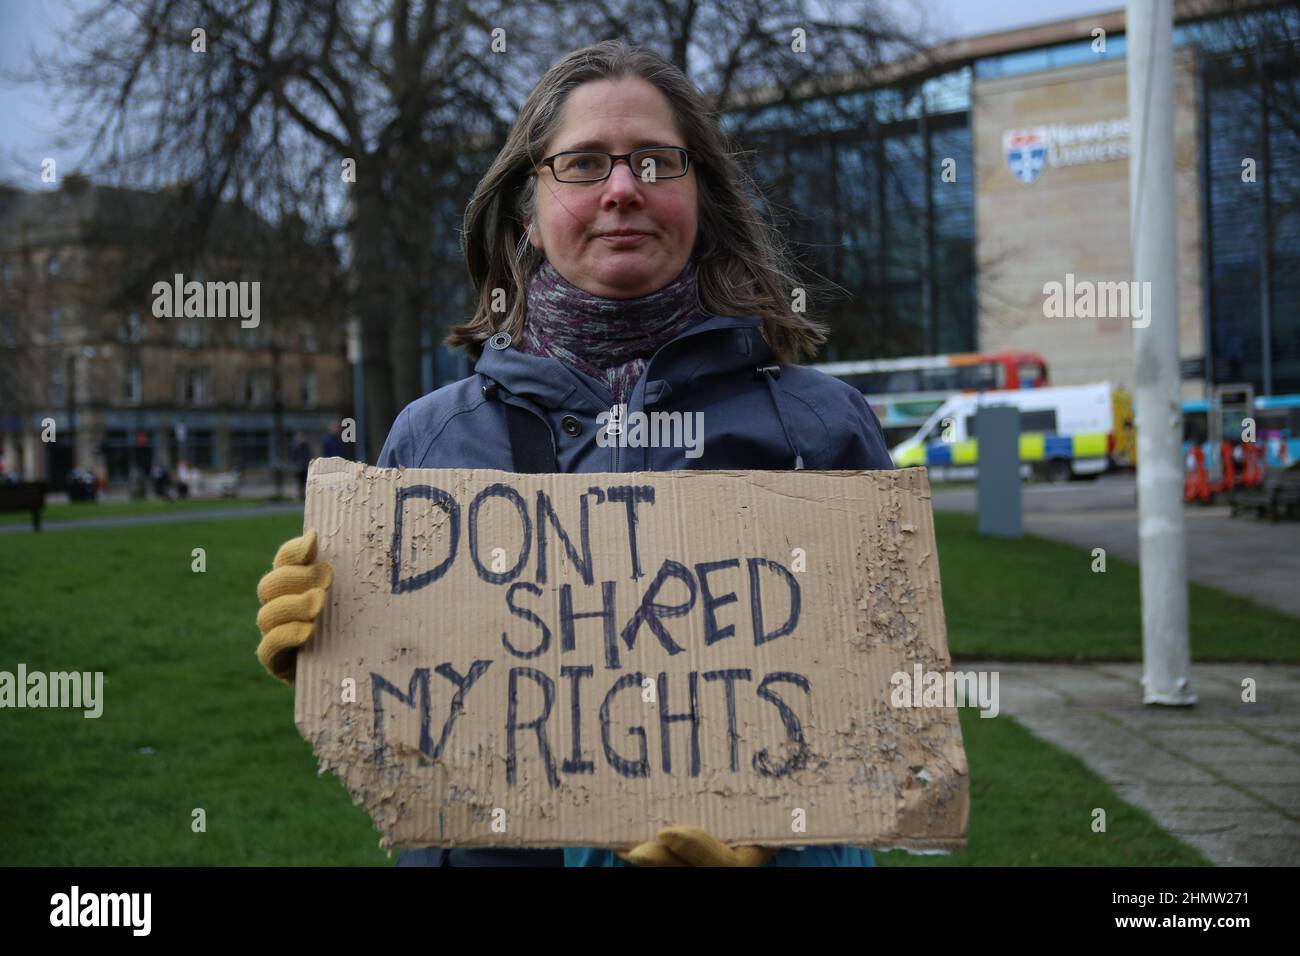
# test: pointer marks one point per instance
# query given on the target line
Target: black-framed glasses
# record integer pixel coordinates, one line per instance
(650, 164)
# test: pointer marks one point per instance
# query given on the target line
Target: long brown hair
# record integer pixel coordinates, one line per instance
(742, 263)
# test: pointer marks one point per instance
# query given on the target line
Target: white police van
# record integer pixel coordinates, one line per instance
(1064, 431)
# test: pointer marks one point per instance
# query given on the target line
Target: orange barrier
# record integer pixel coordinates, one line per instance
(1227, 470)
(1196, 485)
(1196, 482)
(1254, 458)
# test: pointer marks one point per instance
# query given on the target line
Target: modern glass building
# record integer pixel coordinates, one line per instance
(847, 180)
(906, 196)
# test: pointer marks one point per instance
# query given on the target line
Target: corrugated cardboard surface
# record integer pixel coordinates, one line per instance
(859, 546)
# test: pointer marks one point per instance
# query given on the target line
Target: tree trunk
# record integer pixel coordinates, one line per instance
(374, 310)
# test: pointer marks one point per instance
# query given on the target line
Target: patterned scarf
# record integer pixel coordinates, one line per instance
(611, 340)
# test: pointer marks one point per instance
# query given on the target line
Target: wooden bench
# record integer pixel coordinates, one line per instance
(24, 496)
(225, 484)
(1277, 495)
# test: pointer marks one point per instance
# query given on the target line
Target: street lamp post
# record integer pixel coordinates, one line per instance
(1166, 658)
(277, 421)
(72, 410)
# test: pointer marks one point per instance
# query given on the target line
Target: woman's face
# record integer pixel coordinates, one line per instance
(616, 116)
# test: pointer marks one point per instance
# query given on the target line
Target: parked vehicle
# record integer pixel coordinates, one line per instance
(1066, 431)
(903, 391)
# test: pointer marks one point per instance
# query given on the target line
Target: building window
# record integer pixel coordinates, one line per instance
(116, 449)
(58, 391)
(133, 327)
(131, 383)
(56, 324)
(901, 244)
(9, 272)
(9, 330)
(191, 386)
(1253, 245)
(198, 446)
(250, 448)
(257, 388)
(194, 386)
(307, 332)
(189, 331)
(52, 266)
(307, 388)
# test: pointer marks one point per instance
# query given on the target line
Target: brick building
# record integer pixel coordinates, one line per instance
(83, 348)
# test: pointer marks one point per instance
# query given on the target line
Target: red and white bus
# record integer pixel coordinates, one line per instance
(904, 392)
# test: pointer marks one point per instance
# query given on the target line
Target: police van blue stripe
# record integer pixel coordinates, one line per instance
(940, 453)
(1058, 446)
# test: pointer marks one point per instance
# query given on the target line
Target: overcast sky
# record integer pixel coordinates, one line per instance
(29, 120)
(964, 18)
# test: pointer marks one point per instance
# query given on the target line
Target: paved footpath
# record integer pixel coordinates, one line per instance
(156, 517)
(1223, 776)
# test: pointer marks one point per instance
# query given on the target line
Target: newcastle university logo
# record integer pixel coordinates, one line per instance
(1026, 152)
(1031, 148)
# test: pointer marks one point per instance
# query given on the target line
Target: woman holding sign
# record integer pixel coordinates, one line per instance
(622, 272)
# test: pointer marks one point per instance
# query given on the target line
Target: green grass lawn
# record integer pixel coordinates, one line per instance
(77, 510)
(191, 721)
(1032, 805)
(1034, 599)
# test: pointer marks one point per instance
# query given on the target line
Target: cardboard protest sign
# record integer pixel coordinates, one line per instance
(579, 660)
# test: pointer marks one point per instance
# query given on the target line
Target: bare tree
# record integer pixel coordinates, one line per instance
(359, 117)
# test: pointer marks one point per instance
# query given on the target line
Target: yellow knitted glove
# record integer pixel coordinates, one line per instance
(292, 594)
(691, 846)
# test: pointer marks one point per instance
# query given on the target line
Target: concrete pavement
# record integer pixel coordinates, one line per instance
(1223, 776)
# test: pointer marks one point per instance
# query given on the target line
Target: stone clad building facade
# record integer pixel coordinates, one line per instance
(1068, 216)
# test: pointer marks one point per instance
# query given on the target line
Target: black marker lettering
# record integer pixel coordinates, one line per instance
(666, 719)
(793, 729)
(568, 638)
(447, 503)
(537, 724)
(546, 510)
(756, 601)
(712, 633)
(631, 496)
(527, 615)
(651, 613)
(628, 768)
(499, 490)
(576, 764)
(730, 677)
